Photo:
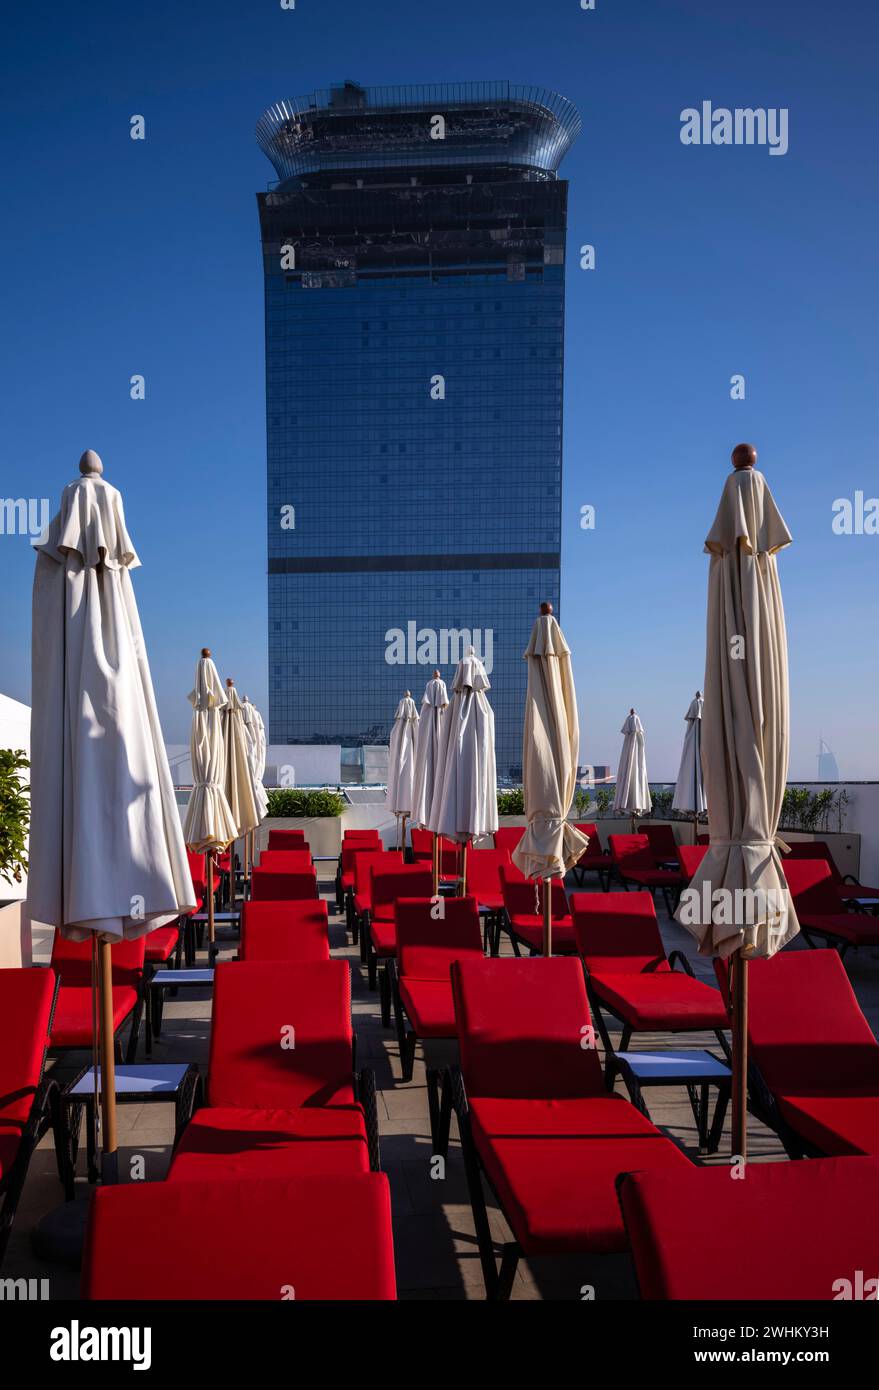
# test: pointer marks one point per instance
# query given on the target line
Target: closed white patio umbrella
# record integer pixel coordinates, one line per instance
(239, 787)
(434, 702)
(551, 844)
(689, 794)
(401, 763)
(107, 857)
(252, 724)
(208, 825)
(464, 804)
(738, 904)
(632, 796)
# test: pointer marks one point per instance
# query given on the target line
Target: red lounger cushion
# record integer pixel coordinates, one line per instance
(239, 1143)
(665, 1000)
(254, 1002)
(271, 886)
(844, 1122)
(529, 927)
(285, 931)
(159, 945)
(553, 1164)
(824, 1074)
(789, 1231)
(26, 997)
(286, 839)
(315, 1238)
(73, 1025)
(429, 1007)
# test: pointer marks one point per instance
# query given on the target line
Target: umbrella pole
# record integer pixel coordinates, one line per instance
(740, 1056)
(464, 870)
(436, 864)
(547, 916)
(403, 836)
(209, 891)
(109, 1156)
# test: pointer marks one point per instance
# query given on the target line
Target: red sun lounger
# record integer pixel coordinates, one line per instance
(813, 1061)
(484, 884)
(523, 914)
(279, 885)
(360, 898)
(287, 839)
(325, 1238)
(846, 886)
(73, 1024)
(380, 939)
(282, 1096)
(794, 1231)
(29, 1102)
(422, 988)
(285, 931)
(635, 863)
(630, 976)
(535, 1117)
(593, 859)
(819, 911)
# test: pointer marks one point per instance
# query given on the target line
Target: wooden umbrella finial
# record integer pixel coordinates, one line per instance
(545, 608)
(229, 682)
(205, 651)
(744, 456)
(90, 465)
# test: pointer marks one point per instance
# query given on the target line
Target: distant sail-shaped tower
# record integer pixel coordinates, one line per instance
(828, 767)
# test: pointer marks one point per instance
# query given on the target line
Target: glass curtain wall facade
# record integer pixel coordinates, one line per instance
(414, 301)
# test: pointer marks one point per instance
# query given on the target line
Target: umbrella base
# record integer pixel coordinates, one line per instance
(60, 1236)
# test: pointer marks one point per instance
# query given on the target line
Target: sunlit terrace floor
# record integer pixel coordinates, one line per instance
(436, 1253)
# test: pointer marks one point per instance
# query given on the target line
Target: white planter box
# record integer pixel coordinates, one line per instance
(15, 946)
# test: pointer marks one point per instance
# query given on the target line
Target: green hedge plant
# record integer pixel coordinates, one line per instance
(295, 802)
(15, 814)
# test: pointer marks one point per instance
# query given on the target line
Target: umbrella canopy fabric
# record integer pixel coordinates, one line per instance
(746, 730)
(238, 780)
(550, 749)
(433, 703)
(401, 757)
(251, 733)
(690, 787)
(464, 804)
(106, 845)
(208, 822)
(632, 796)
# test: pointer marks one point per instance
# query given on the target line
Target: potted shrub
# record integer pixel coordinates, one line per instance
(318, 813)
(821, 815)
(14, 821)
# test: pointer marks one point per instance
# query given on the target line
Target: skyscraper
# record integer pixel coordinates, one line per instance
(414, 255)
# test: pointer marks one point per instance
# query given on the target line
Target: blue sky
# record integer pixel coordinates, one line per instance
(121, 257)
